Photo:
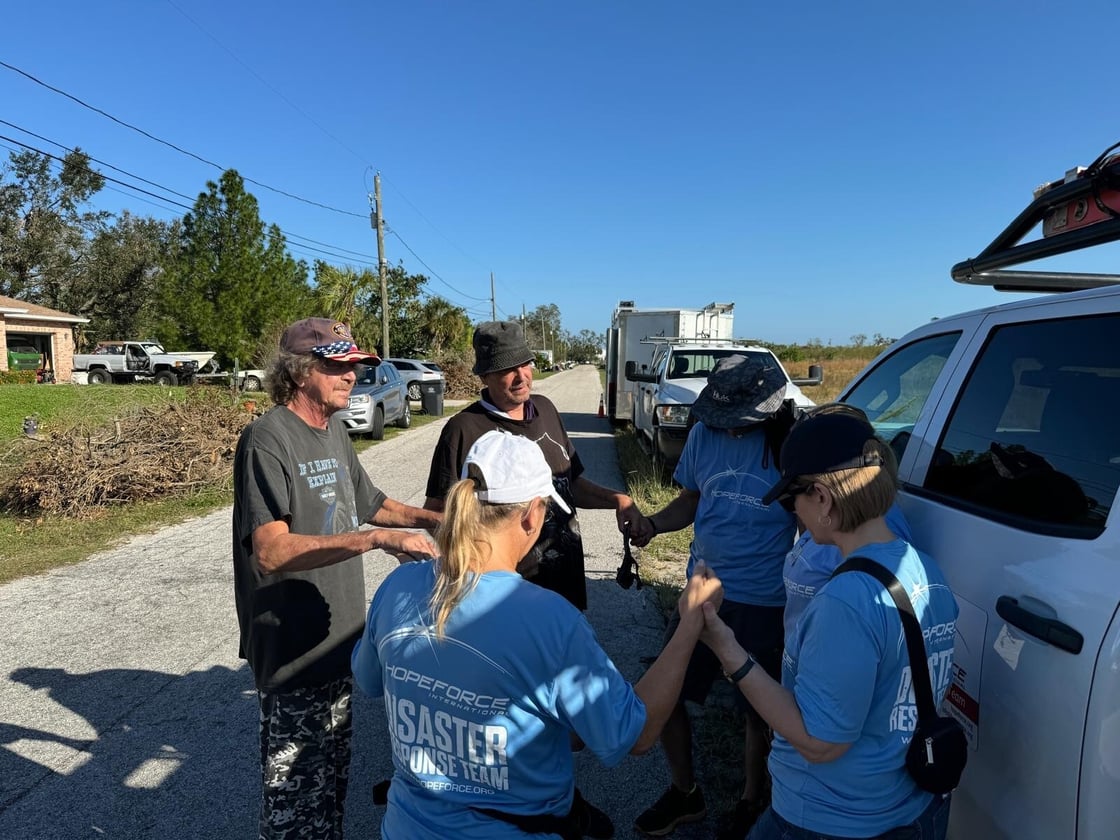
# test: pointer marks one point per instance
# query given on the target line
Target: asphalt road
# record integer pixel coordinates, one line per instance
(125, 712)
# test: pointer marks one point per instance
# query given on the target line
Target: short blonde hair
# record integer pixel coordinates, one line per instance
(862, 493)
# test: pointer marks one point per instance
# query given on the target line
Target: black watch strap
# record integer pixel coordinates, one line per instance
(741, 671)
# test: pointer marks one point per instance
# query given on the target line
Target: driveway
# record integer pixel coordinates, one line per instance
(125, 712)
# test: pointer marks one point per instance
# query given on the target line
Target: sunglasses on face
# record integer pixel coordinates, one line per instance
(332, 367)
(787, 501)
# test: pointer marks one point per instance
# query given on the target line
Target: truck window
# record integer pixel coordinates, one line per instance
(700, 363)
(1032, 436)
(893, 394)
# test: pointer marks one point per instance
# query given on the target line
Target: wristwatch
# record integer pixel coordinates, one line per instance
(741, 671)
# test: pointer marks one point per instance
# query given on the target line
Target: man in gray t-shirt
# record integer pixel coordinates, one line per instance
(300, 496)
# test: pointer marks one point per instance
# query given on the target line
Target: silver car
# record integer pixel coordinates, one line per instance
(416, 371)
(379, 397)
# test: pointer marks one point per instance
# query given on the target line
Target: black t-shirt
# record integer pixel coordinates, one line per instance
(559, 549)
(298, 628)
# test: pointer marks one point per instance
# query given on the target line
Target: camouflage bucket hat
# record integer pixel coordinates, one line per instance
(740, 392)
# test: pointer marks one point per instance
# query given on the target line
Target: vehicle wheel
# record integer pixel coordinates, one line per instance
(414, 391)
(98, 377)
(377, 423)
(405, 420)
(252, 383)
(166, 378)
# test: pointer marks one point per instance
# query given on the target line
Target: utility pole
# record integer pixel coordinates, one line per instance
(493, 300)
(377, 222)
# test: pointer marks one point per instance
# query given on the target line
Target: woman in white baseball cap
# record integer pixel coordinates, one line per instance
(487, 677)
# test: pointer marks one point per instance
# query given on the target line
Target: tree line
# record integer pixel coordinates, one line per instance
(219, 278)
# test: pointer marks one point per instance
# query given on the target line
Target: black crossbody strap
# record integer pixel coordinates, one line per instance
(915, 647)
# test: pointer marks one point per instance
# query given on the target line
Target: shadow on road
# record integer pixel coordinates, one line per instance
(144, 769)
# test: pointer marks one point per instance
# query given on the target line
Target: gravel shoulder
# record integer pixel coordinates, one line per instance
(125, 712)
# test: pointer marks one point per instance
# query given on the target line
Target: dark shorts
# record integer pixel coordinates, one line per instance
(758, 629)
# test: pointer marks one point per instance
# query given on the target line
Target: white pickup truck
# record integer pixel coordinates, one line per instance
(130, 361)
(1005, 424)
(674, 379)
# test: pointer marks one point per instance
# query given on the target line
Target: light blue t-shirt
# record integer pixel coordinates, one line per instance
(809, 566)
(848, 667)
(743, 541)
(482, 718)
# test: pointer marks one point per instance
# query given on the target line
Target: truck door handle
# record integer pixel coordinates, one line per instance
(1047, 629)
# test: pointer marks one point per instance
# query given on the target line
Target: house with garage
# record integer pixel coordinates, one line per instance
(27, 328)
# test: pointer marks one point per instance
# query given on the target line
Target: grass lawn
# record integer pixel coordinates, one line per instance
(33, 544)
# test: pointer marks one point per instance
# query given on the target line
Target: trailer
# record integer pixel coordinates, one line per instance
(633, 335)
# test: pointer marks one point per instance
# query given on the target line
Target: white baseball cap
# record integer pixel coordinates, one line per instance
(509, 469)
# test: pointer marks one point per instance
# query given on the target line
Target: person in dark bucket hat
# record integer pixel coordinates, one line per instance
(740, 392)
(730, 459)
(504, 363)
(499, 345)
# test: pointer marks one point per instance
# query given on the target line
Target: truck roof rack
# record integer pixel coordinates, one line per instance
(1079, 211)
(680, 339)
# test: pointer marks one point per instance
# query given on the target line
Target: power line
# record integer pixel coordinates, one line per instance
(457, 291)
(288, 236)
(170, 145)
(263, 81)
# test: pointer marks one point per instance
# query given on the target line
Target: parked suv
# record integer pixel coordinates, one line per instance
(416, 371)
(379, 397)
(1004, 421)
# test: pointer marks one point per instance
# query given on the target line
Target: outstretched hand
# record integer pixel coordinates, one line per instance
(716, 634)
(703, 587)
(627, 513)
(406, 546)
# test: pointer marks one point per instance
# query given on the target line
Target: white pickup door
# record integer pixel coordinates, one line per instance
(1010, 462)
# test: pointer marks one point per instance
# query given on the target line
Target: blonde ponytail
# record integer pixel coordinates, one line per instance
(463, 539)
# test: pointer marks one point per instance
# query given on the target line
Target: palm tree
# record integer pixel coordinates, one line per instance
(445, 324)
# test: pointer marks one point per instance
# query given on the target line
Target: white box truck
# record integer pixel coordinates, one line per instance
(633, 337)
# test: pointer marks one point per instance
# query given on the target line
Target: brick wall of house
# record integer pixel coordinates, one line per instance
(60, 339)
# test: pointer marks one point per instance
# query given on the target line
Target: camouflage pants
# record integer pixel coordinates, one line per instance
(305, 761)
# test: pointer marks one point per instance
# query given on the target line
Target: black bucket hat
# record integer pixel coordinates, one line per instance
(740, 392)
(826, 440)
(499, 345)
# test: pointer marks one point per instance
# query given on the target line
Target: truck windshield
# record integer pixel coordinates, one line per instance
(687, 363)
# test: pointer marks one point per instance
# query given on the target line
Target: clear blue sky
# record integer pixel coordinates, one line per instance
(821, 164)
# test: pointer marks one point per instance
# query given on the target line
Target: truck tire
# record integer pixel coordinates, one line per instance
(377, 423)
(405, 420)
(166, 378)
(98, 376)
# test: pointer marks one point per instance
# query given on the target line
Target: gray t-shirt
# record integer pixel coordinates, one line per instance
(298, 628)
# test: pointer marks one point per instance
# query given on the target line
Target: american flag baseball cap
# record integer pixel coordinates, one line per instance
(325, 338)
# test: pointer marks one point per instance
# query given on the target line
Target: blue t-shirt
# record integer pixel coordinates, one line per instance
(482, 718)
(809, 566)
(743, 541)
(848, 667)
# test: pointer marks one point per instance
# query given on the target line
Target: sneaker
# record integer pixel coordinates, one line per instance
(592, 822)
(673, 808)
(739, 821)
